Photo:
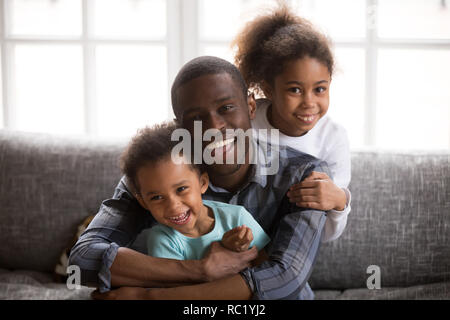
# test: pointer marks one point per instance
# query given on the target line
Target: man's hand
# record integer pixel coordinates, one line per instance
(220, 262)
(123, 293)
(319, 192)
(238, 239)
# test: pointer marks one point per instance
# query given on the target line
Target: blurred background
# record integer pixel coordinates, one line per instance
(104, 67)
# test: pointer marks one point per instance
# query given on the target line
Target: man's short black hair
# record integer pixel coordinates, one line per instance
(202, 66)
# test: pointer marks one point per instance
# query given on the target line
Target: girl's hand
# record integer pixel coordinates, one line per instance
(238, 239)
(319, 192)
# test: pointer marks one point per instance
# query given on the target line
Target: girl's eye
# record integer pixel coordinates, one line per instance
(181, 189)
(320, 89)
(295, 90)
(155, 198)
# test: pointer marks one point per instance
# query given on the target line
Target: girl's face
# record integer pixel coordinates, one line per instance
(300, 96)
(173, 194)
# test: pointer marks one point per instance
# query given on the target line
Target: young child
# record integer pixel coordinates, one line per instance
(283, 57)
(172, 192)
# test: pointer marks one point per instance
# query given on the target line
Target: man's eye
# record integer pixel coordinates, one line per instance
(193, 118)
(154, 198)
(227, 107)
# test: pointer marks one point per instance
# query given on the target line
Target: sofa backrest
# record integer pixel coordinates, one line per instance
(48, 185)
(400, 218)
(400, 222)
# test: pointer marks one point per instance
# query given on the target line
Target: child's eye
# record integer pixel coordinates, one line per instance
(181, 189)
(155, 198)
(321, 89)
(295, 90)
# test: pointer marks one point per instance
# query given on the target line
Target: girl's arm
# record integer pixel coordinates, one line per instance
(319, 192)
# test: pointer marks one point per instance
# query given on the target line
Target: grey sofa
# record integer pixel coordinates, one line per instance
(400, 219)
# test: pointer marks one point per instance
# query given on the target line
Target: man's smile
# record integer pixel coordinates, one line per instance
(224, 146)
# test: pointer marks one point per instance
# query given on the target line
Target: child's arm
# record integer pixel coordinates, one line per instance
(248, 233)
(319, 192)
(323, 190)
(238, 239)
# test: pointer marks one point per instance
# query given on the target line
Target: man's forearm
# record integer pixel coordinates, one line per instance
(292, 254)
(131, 268)
(230, 288)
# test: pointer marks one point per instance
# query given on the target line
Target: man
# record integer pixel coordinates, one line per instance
(211, 90)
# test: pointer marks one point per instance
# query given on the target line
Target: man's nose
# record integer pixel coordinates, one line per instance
(214, 121)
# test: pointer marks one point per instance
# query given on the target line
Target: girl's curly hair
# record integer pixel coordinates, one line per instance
(269, 41)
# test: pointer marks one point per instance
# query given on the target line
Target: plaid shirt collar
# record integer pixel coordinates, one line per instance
(257, 169)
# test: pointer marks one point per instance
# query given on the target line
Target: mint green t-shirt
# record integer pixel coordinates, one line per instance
(165, 242)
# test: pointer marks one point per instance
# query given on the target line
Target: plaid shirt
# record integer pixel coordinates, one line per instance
(295, 232)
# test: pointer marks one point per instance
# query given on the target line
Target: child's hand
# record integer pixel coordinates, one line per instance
(319, 192)
(238, 239)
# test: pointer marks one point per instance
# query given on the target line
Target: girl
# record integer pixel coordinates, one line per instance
(282, 57)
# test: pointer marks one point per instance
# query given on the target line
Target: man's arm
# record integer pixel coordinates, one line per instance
(230, 288)
(118, 222)
(282, 276)
(293, 250)
(291, 257)
(105, 261)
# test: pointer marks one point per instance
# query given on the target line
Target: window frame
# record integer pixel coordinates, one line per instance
(371, 44)
(88, 43)
(183, 43)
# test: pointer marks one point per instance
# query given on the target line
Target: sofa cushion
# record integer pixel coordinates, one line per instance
(24, 285)
(434, 291)
(49, 184)
(400, 221)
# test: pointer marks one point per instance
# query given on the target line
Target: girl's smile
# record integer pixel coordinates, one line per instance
(307, 119)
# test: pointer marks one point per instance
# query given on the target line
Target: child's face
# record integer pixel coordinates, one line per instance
(300, 96)
(172, 193)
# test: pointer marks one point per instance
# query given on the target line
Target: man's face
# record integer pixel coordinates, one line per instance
(219, 103)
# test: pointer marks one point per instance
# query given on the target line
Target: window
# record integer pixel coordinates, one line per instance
(104, 67)
(390, 88)
(76, 66)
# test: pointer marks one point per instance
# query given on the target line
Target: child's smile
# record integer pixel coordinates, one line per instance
(182, 218)
(308, 119)
(299, 95)
(172, 193)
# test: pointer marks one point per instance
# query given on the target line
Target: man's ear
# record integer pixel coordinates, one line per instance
(267, 89)
(251, 102)
(204, 182)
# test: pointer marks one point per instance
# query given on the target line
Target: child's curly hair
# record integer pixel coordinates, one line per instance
(149, 146)
(269, 41)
